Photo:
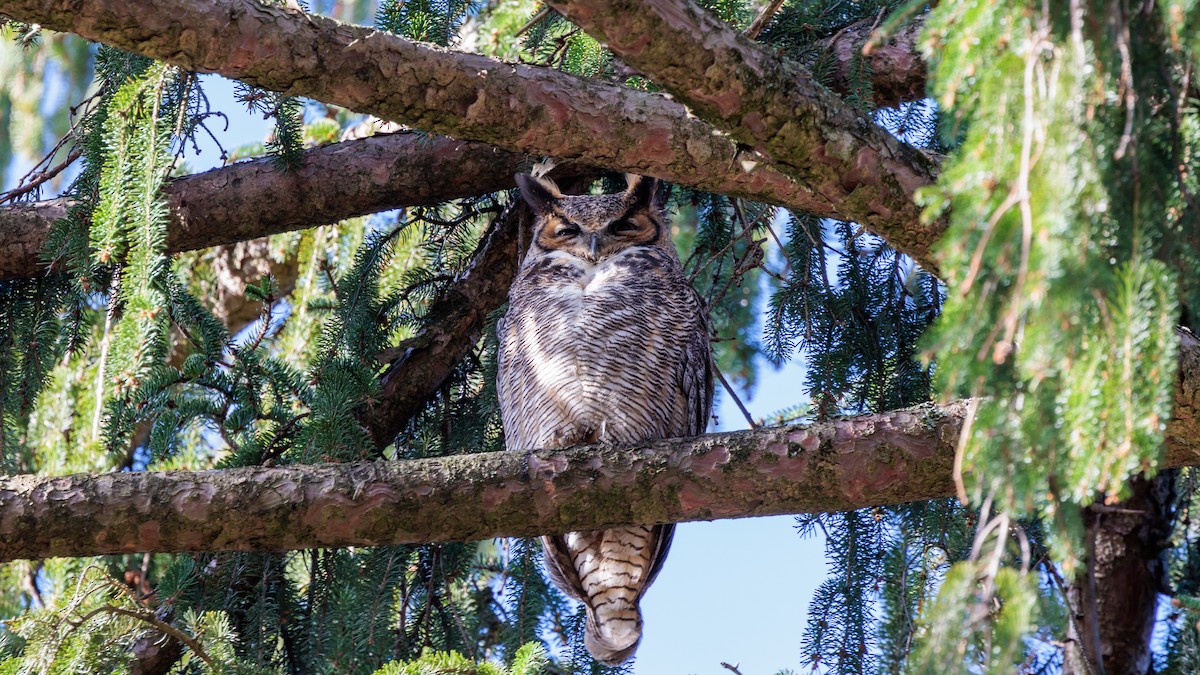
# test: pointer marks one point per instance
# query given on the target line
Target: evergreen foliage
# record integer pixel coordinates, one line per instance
(1072, 243)
(1065, 294)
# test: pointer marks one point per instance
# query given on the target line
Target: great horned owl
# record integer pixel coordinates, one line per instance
(604, 340)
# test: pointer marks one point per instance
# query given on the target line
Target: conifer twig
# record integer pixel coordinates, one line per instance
(158, 624)
(760, 22)
(39, 178)
(733, 394)
(542, 13)
(960, 449)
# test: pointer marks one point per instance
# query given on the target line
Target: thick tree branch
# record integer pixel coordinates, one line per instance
(520, 108)
(774, 106)
(893, 457)
(252, 199)
(887, 458)
(1115, 597)
(877, 459)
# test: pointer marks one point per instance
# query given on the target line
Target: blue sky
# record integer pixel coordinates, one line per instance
(734, 590)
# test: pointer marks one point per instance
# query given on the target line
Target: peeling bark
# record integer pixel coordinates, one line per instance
(229, 204)
(774, 106)
(516, 107)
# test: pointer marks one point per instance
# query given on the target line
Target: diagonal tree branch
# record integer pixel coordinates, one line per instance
(453, 325)
(520, 108)
(772, 105)
(229, 204)
(456, 320)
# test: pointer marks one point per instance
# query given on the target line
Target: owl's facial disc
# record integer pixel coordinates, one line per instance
(601, 239)
(594, 227)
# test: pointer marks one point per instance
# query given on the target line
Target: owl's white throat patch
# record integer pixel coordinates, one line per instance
(587, 269)
(589, 272)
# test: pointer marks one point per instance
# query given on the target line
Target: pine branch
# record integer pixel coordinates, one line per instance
(213, 208)
(773, 105)
(861, 176)
(454, 322)
(452, 328)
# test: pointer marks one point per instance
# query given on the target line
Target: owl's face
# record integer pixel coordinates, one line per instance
(595, 228)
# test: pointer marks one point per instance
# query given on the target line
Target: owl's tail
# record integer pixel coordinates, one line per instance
(608, 571)
(614, 625)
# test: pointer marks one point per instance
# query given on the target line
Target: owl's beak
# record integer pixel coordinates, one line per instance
(595, 248)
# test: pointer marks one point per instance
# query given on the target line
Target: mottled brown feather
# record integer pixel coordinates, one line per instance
(604, 341)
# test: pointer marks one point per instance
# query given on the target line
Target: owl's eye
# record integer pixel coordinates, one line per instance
(569, 231)
(622, 227)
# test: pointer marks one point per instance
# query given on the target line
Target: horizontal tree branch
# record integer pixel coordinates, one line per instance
(253, 199)
(517, 107)
(869, 460)
(773, 105)
(374, 174)
(877, 459)
(887, 458)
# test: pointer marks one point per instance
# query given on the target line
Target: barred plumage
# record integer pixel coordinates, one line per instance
(604, 340)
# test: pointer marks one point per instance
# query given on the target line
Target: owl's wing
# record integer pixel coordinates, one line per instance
(564, 571)
(696, 371)
(507, 359)
(561, 568)
(661, 544)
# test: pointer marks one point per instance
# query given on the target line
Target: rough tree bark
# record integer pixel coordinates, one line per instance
(225, 205)
(1114, 602)
(876, 459)
(516, 107)
(897, 71)
(886, 458)
(772, 105)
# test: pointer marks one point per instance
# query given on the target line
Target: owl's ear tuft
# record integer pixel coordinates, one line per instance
(643, 191)
(539, 193)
